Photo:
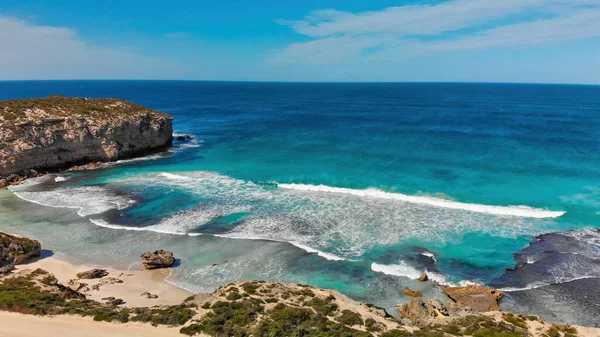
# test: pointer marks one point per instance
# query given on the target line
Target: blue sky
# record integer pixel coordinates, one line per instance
(547, 41)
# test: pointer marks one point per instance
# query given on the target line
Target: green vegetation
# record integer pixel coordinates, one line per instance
(17, 245)
(515, 320)
(22, 294)
(556, 329)
(350, 318)
(322, 307)
(58, 106)
(250, 288)
(232, 296)
(240, 315)
(372, 325)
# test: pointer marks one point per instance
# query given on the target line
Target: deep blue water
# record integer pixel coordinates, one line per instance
(381, 179)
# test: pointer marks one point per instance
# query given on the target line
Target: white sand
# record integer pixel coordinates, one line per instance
(134, 283)
(18, 325)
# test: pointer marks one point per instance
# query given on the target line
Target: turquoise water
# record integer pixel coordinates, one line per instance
(356, 187)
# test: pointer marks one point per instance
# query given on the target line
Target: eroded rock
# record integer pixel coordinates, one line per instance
(77, 286)
(412, 293)
(149, 295)
(57, 132)
(474, 297)
(158, 259)
(92, 274)
(16, 250)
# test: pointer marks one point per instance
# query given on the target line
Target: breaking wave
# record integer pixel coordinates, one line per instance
(519, 211)
(405, 270)
(88, 200)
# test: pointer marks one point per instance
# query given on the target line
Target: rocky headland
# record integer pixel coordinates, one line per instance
(254, 308)
(58, 132)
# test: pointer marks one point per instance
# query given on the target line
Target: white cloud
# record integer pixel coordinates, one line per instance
(31, 51)
(398, 32)
(423, 19)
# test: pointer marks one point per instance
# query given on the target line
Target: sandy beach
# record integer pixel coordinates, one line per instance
(18, 325)
(134, 283)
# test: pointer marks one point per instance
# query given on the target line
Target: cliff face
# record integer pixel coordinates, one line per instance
(57, 132)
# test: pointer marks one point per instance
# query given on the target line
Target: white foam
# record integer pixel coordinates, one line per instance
(150, 157)
(304, 247)
(178, 224)
(520, 211)
(428, 254)
(87, 200)
(401, 269)
(536, 285)
(174, 176)
(318, 252)
(61, 178)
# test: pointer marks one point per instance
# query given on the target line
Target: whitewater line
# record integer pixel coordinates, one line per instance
(327, 256)
(104, 224)
(520, 211)
(80, 211)
(536, 285)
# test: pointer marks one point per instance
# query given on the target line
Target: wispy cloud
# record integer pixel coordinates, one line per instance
(46, 52)
(432, 28)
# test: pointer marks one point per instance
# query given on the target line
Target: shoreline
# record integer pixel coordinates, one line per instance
(134, 282)
(21, 325)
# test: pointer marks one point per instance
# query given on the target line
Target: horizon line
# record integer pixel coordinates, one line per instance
(300, 82)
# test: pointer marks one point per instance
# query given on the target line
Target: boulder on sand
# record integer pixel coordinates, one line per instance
(474, 297)
(92, 274)
(158, 259)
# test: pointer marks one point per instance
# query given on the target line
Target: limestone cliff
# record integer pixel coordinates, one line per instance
(57, 132)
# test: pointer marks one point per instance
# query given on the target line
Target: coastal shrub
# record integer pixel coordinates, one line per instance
(350, 318)
(323, 307)
(250, 288)
(396, 333)
(306, 292)
(172, 315)
(285, 320)
(271, 300)
(565, 328)
(514, 320)
(21, 294)
(228, 318)
(108, 315)
(372, 325)
(49, 280)
(205, 305)
(496, 331)
(232, 296)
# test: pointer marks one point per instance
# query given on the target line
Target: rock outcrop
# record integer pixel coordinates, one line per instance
(57, 132)
(16, 250)
(474, 297)
(92, 274)
(158, 259)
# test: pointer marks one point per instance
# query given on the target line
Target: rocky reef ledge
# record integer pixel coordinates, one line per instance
(57, 132)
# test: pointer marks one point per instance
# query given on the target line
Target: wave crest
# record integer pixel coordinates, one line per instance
(519, 211)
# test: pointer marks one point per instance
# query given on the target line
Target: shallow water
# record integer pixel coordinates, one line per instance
(356, 187)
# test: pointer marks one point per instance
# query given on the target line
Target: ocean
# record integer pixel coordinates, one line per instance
(355, 187)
